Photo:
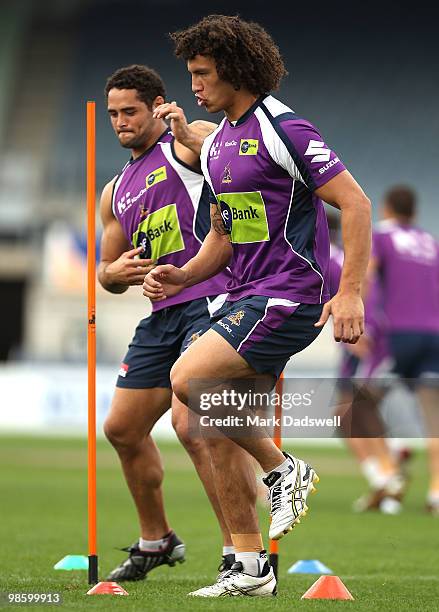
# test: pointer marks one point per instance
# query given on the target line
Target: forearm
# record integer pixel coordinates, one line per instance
(356, 234)
(107, 281)
(213, 256)
(192, 140)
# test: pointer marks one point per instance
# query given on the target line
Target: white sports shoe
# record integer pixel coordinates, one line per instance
(288, 494)
(234, 583)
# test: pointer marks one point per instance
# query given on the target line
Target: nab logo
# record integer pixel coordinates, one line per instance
(319, 151)
(248, 146)
(226, 216)
(157, 176)
(144, 241)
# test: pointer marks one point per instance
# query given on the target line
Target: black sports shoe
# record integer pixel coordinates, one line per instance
(140, 562)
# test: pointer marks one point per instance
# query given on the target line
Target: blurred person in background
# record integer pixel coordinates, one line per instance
(405, 262)
(154, 211)
(358, 404)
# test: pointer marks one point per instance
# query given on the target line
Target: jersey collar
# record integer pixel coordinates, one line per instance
(149, 149)
(248, 112)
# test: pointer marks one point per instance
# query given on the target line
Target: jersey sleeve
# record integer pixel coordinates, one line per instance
(306, 156)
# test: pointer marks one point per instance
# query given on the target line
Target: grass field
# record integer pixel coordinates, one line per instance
(388, 563)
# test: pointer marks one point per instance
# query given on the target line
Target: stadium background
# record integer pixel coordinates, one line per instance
(364, 74)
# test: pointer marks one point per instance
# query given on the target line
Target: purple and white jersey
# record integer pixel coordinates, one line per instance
(263, 170)
(408, 269)
(163, 205)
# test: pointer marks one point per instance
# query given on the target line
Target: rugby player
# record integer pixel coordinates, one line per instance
(269, 171)
(155, 210)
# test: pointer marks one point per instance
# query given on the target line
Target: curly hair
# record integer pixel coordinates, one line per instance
(144, 80)
(245, 54)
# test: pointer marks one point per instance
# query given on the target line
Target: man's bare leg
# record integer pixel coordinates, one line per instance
(199, 453)
(211, 355)
(132, 415)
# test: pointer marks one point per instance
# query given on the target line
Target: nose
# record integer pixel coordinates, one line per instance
(121, 121)
(196, 84)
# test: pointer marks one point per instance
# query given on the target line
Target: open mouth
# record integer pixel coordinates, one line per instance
(200, 101)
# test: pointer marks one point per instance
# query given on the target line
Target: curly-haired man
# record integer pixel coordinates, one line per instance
(269, 171)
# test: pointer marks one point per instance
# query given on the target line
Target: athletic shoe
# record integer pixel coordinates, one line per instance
(140, 562)
(234, 583)
(226, 563)
(432, 504)
(387, 499)
(288, 494)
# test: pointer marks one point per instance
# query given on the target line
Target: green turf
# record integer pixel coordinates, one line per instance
(388, 563)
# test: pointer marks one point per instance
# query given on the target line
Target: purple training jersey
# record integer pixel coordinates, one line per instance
(408, 268)
(163, 205)
(263, 170)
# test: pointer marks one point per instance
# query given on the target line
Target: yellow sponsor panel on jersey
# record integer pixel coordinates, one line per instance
(247, 146)
(156, 176)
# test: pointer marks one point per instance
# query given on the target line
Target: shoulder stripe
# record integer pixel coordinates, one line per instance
(275, 122)
(180, 161)
(191, 181)
(205, 153)
(116, 186)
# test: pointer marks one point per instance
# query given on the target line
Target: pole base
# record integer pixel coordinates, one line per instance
(107, 588)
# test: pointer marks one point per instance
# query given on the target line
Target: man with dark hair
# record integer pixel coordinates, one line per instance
(154, 211)
(269, 171)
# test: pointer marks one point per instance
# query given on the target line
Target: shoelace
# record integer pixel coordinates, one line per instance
(274, 497)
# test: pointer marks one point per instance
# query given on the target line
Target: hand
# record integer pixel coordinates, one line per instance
(163, 282)
(179, 126)
(126, 270)
(347, 311)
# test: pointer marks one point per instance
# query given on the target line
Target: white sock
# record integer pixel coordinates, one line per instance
(153, 545)
(373, 474)
(252, 562)
(228, 550)
(433, 497)
(284, 467)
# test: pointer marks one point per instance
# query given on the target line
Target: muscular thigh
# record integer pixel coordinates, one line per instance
(134, 412)
(211, 356)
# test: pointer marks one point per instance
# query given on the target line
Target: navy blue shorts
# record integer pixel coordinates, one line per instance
(415, 354)
(158, 342)
(266, 332)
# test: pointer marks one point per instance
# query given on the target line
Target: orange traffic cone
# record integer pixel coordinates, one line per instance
(107, 588)
(327, 587)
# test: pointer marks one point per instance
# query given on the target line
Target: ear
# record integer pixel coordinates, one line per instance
(159, 100)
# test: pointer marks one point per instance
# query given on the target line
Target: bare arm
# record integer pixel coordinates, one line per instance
(188, 156)
(346, 306)
(213, 256)
(118, 268)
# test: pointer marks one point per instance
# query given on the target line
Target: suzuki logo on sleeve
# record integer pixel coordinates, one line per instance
(318, 149)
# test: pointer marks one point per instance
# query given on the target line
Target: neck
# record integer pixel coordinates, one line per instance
(242, 101)
(152, 138)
